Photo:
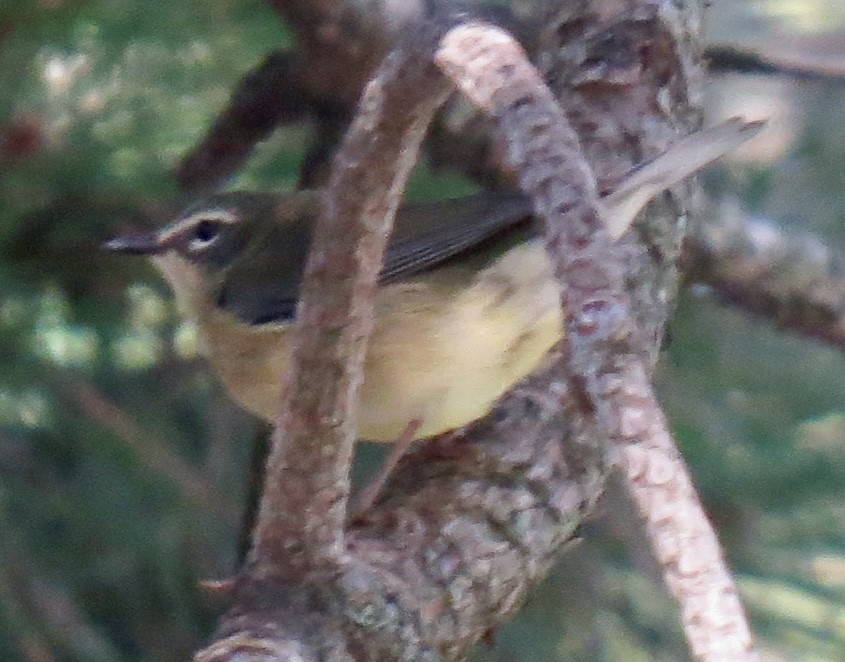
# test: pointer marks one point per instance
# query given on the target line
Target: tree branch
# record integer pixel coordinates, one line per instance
(266, 97)
(464, 529)
(158, 456)
(340, 43)
(728, 58)
(491, 68)
(299, 532)
(796, 281)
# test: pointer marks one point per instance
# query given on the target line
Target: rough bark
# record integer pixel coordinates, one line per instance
(466, 527)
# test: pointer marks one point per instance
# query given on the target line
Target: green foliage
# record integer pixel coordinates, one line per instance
(103, 541)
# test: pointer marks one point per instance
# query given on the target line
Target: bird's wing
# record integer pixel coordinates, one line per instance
(427, 234)
(430, 234)
(262, 288)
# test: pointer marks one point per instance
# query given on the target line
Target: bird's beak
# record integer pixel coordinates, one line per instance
(141, 244)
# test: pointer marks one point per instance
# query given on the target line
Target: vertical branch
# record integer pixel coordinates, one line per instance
(299, 532)
(545, 153)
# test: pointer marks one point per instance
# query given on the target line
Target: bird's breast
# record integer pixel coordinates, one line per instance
(444, 346)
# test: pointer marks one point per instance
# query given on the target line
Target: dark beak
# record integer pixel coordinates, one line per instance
(143, 244)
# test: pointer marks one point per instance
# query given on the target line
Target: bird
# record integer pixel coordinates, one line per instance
(466, 304)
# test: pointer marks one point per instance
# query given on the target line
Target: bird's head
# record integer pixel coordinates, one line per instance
(229, 245)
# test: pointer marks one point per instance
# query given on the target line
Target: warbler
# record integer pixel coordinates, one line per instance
(467, 304)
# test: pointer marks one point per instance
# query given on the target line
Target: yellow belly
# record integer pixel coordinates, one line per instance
(443, 349)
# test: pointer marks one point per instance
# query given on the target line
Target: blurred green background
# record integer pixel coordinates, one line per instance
(122, 465)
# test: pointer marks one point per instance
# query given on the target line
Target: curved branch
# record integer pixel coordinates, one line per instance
(464, 529)
(491, 68)
(299, 531)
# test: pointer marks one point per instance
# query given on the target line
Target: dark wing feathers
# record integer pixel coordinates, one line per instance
(264, 288)
(428, 234)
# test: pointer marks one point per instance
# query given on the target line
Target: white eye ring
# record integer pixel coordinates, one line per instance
(197, 232)
(205, 233)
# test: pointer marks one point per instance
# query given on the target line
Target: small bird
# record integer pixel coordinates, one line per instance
(467, 304)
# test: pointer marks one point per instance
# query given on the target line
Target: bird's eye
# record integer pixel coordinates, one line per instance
(204, 233)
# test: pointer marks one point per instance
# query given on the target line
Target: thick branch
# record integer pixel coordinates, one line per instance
(303, 510)
(464, 529)
(545, 153)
